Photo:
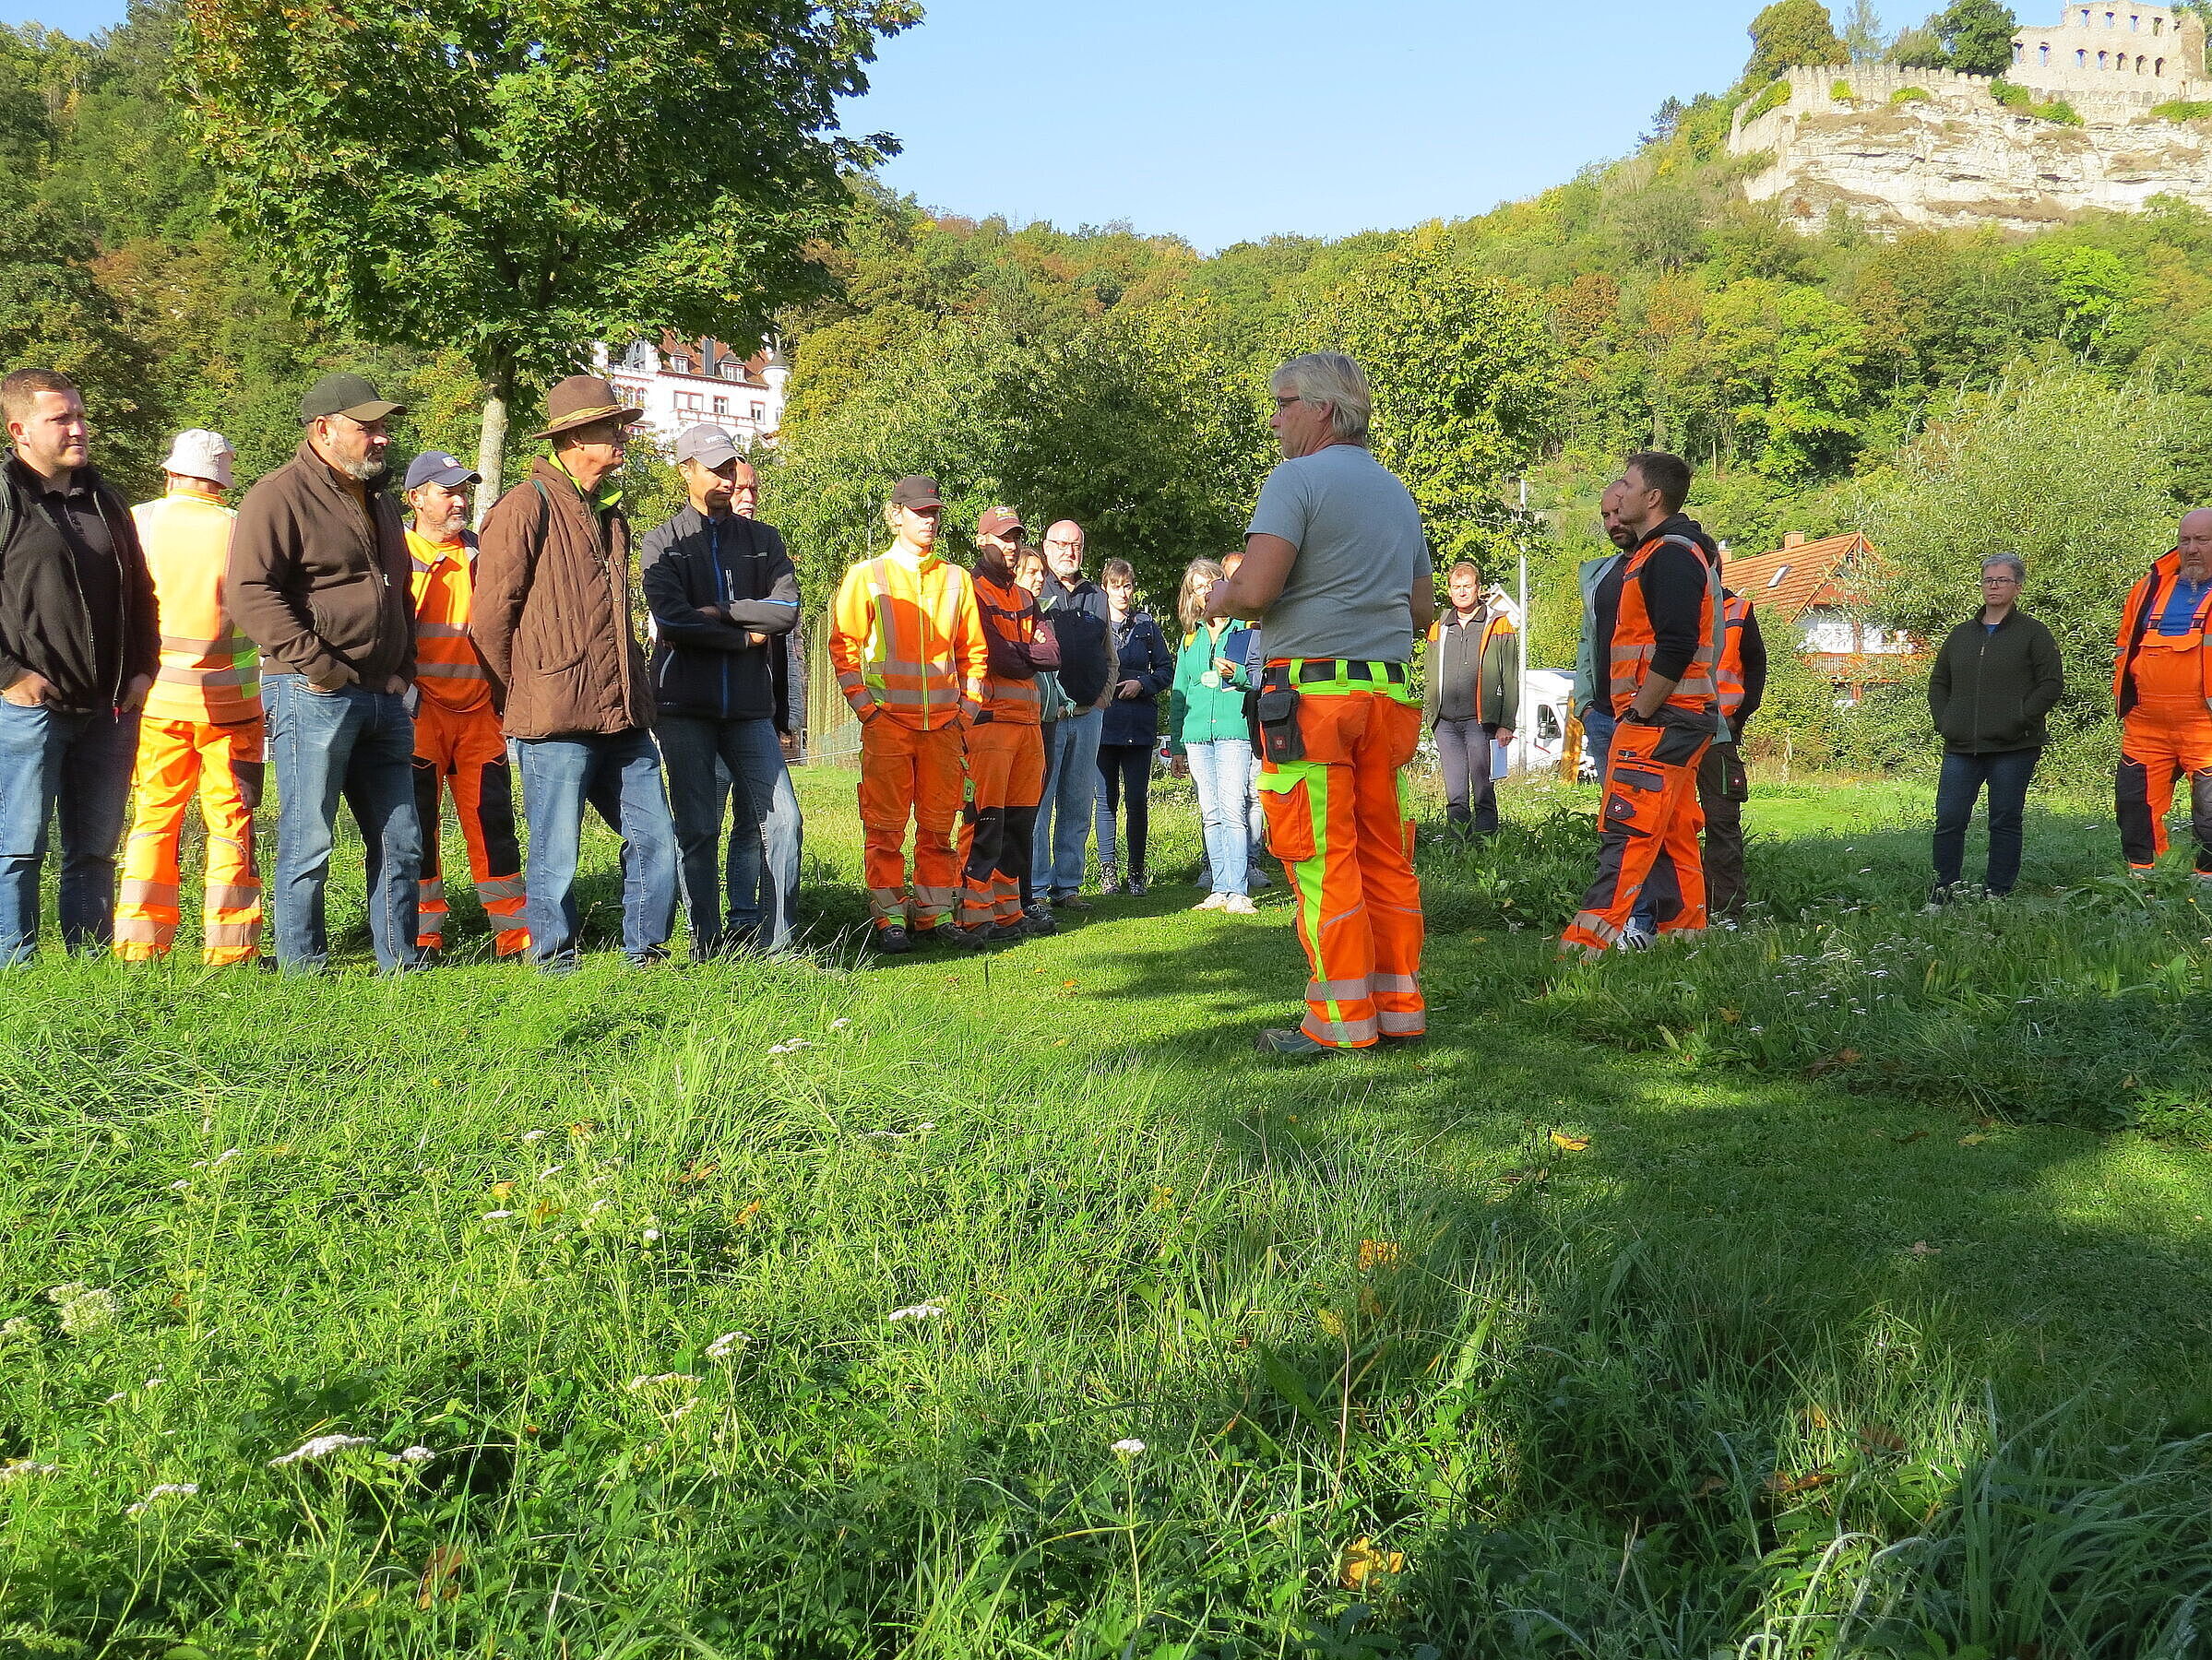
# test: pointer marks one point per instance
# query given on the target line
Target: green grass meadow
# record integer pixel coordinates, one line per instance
(1832, 1285)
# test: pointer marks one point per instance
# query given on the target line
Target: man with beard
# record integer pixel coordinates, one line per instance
(459, 749)
(318, 580)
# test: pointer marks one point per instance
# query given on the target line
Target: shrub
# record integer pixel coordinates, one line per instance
(1774, 98)
(2012, 96)
(2058, 111)
(1906, 95)
(1841, 91)
(2182, 109)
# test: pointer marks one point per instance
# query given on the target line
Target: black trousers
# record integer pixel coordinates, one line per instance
(1724, 886)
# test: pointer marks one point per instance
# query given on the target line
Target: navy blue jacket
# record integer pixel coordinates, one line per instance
(707, 666)
(1144, 657)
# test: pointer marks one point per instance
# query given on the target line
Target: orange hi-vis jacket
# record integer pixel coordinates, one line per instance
(209, 672)
(446, 667)
(1698, 693)
(1017, 632)
(2138, 627)
(905, 638)
(1735, 612)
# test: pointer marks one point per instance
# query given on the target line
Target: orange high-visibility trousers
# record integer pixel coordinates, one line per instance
(222, 765)
(1005, 777)
(465, 752)
(1337, 820)
(1647, 843)
(2165, 737)
(909, 774)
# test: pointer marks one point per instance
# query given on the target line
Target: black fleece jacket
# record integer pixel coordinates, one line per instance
(709, 666)
(76, 601)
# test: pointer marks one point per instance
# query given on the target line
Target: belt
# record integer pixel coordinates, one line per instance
(1310, 670)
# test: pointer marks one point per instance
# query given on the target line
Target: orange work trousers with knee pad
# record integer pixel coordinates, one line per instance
(909, 774)
(221, 765)
(1005, 782)
(1337, 820)
(463, 753)
(2165, 737)
(1647, 837)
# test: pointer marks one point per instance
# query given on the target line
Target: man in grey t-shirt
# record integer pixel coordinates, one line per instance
(1338, 574)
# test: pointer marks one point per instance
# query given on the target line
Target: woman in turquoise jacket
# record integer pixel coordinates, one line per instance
(1207, 736)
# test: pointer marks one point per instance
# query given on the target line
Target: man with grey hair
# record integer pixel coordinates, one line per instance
(1996, 675)
(1337, 571)
(1081, 624)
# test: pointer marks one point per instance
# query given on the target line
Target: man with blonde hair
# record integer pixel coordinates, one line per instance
(1339, 574)
(202, 733)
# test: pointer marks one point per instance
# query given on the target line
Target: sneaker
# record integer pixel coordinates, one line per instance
(1075, 901)
(1238, 905)
(893, 941)
(1291, 1044)
(1040, 920)
(1632, 939)
(1257, 881)
(1138, 887)
(1212, 902)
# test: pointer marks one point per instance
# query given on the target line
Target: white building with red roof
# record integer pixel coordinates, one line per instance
(682, 382)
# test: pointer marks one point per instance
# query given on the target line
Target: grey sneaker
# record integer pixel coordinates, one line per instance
(1290, 1043)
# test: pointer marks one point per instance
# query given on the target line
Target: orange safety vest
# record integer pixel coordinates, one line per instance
(208, 671)
(906, 637)
(446, 667)
(1735, 612)
(2139, 632)
(1633, 641)
(1013, 614)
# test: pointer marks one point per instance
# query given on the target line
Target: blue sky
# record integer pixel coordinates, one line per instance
(1224, 120)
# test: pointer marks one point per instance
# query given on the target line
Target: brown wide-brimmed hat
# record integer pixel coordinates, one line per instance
(580, 400)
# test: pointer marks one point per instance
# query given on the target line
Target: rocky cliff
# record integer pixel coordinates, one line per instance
(1900, 148)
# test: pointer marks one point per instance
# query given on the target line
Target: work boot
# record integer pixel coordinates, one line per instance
(892, 940)
(1072, 902)
(1291, 1044)
(1008, 934)
(970, 939)
(1040, 920)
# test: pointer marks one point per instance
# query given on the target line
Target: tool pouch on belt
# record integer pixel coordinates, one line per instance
(1279, 736)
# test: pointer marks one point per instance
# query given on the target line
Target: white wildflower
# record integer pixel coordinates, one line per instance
(322, 1446)
(90, 1311)
(915, 1312)
(652, 1234)
(495, 1216)
(179, 1187)
(726, 1344)
(550, 1172)
(20, 1326)
(118, 1395)
(645, 1382)
(154, 1382)
(68, 1292)
(839, 1025)
(412, 1455)
(168, 1489)
(15, 1469)
(1128, 1447)
(926, 1126)
(598, 1206)
(217, 1162)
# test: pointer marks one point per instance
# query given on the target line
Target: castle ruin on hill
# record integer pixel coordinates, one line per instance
(1897, 148)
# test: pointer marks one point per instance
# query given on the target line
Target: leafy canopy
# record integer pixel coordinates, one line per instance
(516, 178)
(1789, 34)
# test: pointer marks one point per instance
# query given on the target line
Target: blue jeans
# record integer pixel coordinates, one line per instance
(1071, 786)
(618, 773)
(1222, 771)
(75, 769)
(359, 745)
(2006, 776)
(759, 884)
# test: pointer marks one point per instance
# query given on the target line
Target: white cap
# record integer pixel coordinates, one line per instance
(200, 454)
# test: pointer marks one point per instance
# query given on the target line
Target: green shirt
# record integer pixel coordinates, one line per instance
(1198, 713)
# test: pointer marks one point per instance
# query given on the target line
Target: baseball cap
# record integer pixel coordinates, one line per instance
(997, 521)
(348, 395)
(915, 490)
(707, 444)
(201, 453)
(435, 466)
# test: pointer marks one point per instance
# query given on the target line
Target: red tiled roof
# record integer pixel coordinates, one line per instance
(1788, 582)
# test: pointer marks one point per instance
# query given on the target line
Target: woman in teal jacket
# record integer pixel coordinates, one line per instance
(1207, 736)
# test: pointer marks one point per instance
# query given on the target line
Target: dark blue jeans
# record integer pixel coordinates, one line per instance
(2006, 776)
(752, 898)
(619, 773)
(1064, 812)
(360, 745)
(74, 769)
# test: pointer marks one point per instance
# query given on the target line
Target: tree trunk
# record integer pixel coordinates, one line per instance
(491, 450)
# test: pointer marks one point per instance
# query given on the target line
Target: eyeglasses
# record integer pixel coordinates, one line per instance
(1284, 403)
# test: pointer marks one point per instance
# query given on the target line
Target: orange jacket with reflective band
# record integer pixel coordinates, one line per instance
(446, 666)
(208, 671)
(1633, 641)
(905, 637)
(2138, 627)
(1011, 613)
(1735, 612)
